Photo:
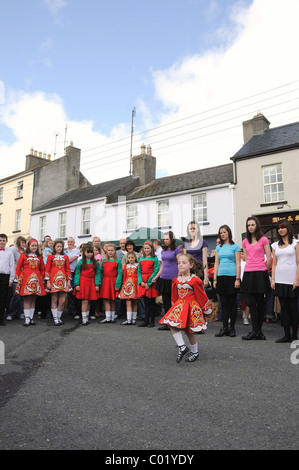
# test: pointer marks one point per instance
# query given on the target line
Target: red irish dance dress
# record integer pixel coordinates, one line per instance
(29, 275)
(129, 290)
(87, 278)
(58, 272)
(148, 267)
(110, 278)
(190, 305)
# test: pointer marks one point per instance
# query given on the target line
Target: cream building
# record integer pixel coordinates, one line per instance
(266, 172)
(16, 193)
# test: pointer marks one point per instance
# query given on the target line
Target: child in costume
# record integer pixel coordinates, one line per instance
(190, 305)
(29, 277)
(110, 280)
(148, 268)
(129, 290)
(87, 281)
(58, 277)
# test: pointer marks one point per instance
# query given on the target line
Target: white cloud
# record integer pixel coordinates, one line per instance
(55, 6)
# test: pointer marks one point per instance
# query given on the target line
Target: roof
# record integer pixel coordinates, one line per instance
(213, 176)
(89, 193)
(273, 140)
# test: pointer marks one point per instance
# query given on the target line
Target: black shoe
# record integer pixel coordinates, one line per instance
(182, 351)
(284, 339)
(261, 335)
(151, 325)
(32, 322)
(143, 323)
(163, 328)
(191, 357)
(104, 321)
(250, 336)
(232, 332)
(222, 332)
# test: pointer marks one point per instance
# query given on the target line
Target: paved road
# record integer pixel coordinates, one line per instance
(115, 387)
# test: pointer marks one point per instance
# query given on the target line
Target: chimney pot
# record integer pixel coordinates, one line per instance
(143, 147)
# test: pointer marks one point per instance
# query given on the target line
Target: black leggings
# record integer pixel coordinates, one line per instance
(229, 309)
(150, 310)
(257, 305)
(166, 301)
(289, 316)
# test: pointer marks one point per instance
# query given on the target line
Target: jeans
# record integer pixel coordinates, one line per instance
(16, 304)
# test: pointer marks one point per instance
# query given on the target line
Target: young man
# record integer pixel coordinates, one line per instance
(7, 273)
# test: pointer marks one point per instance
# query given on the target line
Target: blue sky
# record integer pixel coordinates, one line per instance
(87, 64)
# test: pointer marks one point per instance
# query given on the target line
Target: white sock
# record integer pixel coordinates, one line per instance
(108, 315)
(87, 315)
(178, 337)
(54, 313)
(129, 317)
(194, 347)
(84, 317)
(134, 315)
(59, 313)
(112, 315)
(32, 313)
(27, 316)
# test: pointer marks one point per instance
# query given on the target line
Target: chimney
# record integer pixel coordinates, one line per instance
(144, 165)
(35, 158)
(257, 125)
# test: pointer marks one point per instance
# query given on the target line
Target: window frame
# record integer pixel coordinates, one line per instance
(161, 214)
(203, 209)
(61, 224)
(85, 220)
(129, 218)
(268, 196)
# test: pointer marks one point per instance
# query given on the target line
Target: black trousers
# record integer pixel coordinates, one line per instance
(257, 306)
(289, 316)
(4, 288)
(229, 309)
(150, 310)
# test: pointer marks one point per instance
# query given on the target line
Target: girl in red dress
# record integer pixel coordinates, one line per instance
(87, 281)
(110, 280)
(190, 305)
(129, 290)
(58, 277)
(30, 272)
(148, 268)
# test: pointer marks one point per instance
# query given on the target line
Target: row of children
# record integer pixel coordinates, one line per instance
(109, 280)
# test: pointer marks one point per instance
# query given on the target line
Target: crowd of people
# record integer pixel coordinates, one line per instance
(160, 279)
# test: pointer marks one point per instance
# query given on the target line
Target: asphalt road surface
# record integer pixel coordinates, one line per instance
(114, 387)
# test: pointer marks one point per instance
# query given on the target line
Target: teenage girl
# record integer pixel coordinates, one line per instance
(285, 279)
(58, 277)
(110, 281)
(29, 277)
(190, 305)
(87, 281)
(255, 282)
(227, 278)
(148, 268)
(129, 290)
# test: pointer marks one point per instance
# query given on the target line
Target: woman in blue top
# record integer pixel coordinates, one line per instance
(227, 270)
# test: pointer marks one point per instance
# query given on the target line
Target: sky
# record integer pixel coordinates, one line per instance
(193, 71)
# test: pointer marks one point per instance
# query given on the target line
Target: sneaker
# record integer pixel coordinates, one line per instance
(92, 317)
(191, 357)
(22, 316)
(77, 317)
(9, 317)
(182, 351)
(245, 321)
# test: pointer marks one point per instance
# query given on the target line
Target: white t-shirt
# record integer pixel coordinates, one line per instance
(286, 268)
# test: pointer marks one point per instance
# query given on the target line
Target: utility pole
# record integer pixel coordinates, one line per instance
(132, 131)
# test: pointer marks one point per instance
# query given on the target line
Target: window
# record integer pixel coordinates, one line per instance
(132, 217)
(1, 195)
(199, 208)
(20, 189)
(42, 227)
(18, 220)
(62, 225)
(273, 183)
(163, 213)
(85, 221)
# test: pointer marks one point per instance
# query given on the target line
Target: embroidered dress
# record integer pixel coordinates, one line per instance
(58, 272)
(29, 275)
(87, 278)
(148, 267)
(110, 278)
(190, 305)
(129, 288)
